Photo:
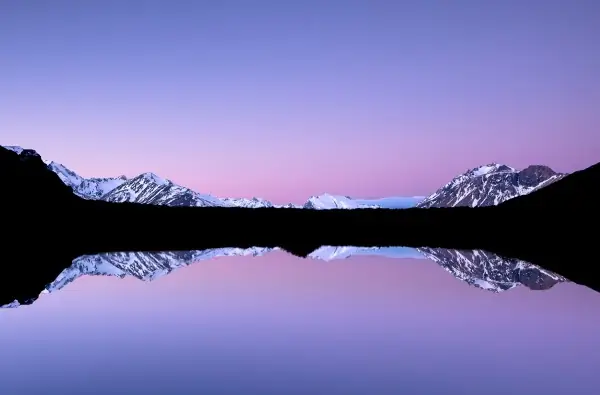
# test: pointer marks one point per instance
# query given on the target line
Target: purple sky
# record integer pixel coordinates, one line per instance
(286, 99)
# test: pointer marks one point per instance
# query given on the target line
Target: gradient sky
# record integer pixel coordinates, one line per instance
(286, 99)
(280, 325)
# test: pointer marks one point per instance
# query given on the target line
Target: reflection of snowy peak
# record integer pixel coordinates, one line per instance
(330, 253)
(490, 185)
(146, 266)
(478, 268)
(327, 202)
(491, 272)
(149, 188)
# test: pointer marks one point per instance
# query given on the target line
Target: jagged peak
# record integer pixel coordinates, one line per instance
(489, 169)
(153, 178)
(24, 152)
(14, 148)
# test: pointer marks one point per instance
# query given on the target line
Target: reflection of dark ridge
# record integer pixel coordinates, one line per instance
(48, 226)
(301, 251)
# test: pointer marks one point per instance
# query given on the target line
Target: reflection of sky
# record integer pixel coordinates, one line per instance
(280, 325)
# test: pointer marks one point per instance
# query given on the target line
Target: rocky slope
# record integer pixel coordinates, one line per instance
(490, 185)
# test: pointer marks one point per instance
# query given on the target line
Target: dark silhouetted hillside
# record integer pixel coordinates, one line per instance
(579, 190)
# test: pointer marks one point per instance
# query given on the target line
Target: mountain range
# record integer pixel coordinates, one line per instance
(482, 186)
(548, 227)
(477, 268)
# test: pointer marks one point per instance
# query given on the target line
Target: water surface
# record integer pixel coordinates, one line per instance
(277, 324)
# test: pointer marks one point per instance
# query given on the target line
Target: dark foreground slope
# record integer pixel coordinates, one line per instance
(46, 226)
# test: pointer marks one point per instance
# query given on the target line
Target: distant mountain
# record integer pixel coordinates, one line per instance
(87, 188)
(247, 203)
(490, 185)
(478, 268)
(392, 202)
(327, 202)
(148, 188)
(289, 205)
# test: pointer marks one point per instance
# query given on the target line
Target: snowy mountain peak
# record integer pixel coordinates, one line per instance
(154, 178)
(148, 188)
(21, 151)
(490, 185)
(328, 202)
(14, 148)
(247, 203)
(489, 168)
(67, 176)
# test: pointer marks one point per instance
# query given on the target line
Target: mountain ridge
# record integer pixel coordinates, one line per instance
(485, 185)
(149, 188)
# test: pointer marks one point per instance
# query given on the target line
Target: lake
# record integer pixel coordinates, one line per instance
(343, 321)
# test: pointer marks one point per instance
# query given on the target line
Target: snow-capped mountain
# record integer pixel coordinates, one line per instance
(87, 188)
(247, 203)
(491, 272)
(14, 148)
(392, 202)
(490, 185)
(289, 205)
(328, 202)
(148, 188)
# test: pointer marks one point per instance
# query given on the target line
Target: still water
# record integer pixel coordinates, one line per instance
(343, 321)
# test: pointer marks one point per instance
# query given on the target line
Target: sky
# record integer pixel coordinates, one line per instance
(287, 99)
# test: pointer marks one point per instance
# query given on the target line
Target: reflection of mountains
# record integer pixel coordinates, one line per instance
(478, 268)
(489, 271)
